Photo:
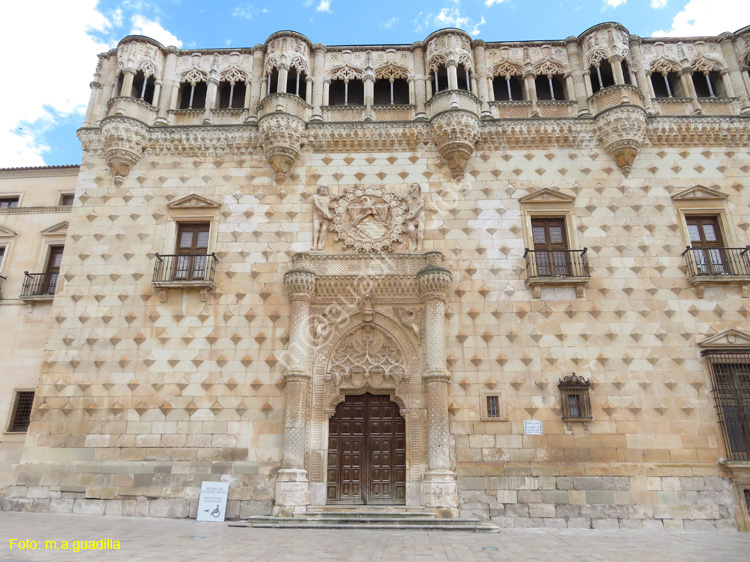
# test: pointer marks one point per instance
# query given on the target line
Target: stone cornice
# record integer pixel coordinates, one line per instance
(30, 210)
(39, 172)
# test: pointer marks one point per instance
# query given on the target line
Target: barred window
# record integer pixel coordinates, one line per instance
(576, 401)
(493, 406)
(21, 415)
(730, 378)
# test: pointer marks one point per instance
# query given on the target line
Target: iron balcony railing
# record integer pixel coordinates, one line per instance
(557, 263)
(185, 268)
(717, 261)
(39, 284)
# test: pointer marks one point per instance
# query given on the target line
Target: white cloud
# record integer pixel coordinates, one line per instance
(475, 29)
(708, 17)
(152, 28)
(52, 76)
(614, 3)
(448, 17)
(324, 6)
(308, 3)
(243, 11)
(390, 23)
(493, 2)
(658, 4)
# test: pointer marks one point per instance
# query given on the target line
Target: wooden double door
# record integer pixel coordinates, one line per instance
(366, 452)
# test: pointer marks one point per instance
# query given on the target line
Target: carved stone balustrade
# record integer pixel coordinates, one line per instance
(612, 96)
(454, 115)
(285, 103)
(134, 108)
(451, 100)
(621, 131)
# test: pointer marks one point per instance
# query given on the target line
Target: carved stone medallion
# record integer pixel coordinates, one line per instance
(369, 219)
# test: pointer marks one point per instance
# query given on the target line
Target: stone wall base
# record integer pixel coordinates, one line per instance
(611, 502)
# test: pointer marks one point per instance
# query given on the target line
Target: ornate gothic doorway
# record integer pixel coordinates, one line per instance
(367, 452)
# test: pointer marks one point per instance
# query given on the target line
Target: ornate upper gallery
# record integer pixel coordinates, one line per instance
(604, 86)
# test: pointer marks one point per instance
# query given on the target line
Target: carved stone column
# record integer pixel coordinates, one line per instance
(615, 62)
(439, 486)
(292, 489)
(318, 72)
(256, 84)
(419, 81)
(96, 88)
(530, 86)
(643, 79)
(282, 77)
(480, 74)
(576, 69)
(686, 77)
(127, 83)
(735, 74)
(452, 71)
(211, 94)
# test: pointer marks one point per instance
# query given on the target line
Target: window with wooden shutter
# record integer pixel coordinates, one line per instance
(549, 245)
(705, 238)
(192, 251)
(52, 271)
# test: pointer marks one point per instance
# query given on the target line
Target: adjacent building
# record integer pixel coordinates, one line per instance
(505, 280)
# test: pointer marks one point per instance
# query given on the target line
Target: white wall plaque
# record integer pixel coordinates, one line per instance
(212, 505)
(532, 427)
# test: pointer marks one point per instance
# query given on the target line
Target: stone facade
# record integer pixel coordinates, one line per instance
(414, 273)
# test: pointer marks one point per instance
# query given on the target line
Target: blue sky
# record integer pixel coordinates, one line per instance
(60, 47)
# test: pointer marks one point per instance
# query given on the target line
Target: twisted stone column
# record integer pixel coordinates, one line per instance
(318, 73)
(735, 72)
(256, 86)
(419, 81)
(292, 491)
(170, 87)
(576, 70)
(439, 485)
(641, 76)
(480, 74)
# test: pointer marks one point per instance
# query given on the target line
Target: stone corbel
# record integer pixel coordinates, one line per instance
(455, 132)
(621, 132)
(123, 141)
(120, 161)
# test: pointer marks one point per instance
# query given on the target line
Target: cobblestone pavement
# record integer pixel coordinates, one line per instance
(186, 540)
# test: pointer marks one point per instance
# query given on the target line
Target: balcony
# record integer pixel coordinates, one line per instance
(284, 103)
(555, 268)
(39, 286)
(132, 107)
(186, 271)
(453, 99)
(712, 266)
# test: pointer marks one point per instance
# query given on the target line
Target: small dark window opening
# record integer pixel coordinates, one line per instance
(118, 85)
(143, 87)
(66, 199)
(341, 92)
(708, 85)
(232, 95)
(747, 499)
(391, 92)
(272, 82)
(507, 89)
(464, 77)
(296, 83)
(21, 415)
(193, 96)
(8, 202)
(601, 76)
(493, 406)
(575, 398)
(549, 88)
(666, 86)
(440, 78)
(627, 73)
(2, 255)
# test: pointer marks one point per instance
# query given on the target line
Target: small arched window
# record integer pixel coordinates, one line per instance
(550, 87)
(601, 76)
(232, 94)
(346, 92)
(296, 83)
(507, 88)
(143, 87)
(272, 82)
(391, 91)
(193, 95)
(627, 73)
(440, 78)
(666, 85)
(464, 77)
(709, 84)
(118, 85)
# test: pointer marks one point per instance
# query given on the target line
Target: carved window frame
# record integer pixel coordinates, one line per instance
(179, 214)
(501, 405)
(574, 385)
(7, 236)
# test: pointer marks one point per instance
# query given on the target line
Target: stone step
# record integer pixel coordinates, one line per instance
(371, 514)
(363, 521)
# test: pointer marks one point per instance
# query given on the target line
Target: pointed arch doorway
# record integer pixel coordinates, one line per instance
(366, 452)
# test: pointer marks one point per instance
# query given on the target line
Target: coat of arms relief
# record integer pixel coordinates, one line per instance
(369, 219)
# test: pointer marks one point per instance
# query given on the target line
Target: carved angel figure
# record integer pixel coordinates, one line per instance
(415, 219)
(322, 217)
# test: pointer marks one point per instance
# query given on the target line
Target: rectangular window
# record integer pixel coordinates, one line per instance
(549, 247)
(707, 244)
(8, 202)
(493, 406)
(52, 271)
(2, 255)
(192, 252)
(21, 414)
(66, 199)
(575, 398)
(730, 376)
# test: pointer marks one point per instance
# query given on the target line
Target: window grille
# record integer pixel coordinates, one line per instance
(19, 419)
(730, 379)
(493, 406)
(575, 397)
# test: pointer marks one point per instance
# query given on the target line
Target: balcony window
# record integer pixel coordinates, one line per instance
(296, 83)
(43, 285)
(440, 79)
(708, 85)
(627, 73)
(391, 92)
(550, 88)
(193, 95)
(667, 85)
(191, 264)
(143, 87)
(464, 77)
(601, 76)
(232, 95)
(507, 88)
(346, 92)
